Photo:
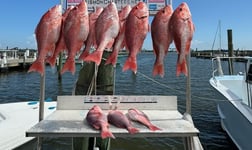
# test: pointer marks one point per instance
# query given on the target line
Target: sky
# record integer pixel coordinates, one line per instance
(18, 20)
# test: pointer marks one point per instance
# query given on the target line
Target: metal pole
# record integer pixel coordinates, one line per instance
(41, 106)
(188, 85)
(42, 97)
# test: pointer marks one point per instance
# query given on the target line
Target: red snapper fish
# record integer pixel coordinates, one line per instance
(161, 38)
(118, 119)
(60, 46)
(182, 29)
(136, 30)
(98, 120)
(47, 34)
(120, 39)
(141, 117)
(76, 29)
(91, 36)
(106, 29)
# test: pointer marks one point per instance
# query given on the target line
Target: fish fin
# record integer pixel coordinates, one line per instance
(96, 57)
(110, 44)
(69, 66)
(51, 60)
(181, 68)
(37, 66)
(112, 59)
(83, 55)
(153, 128)
(107, 134)
(158, 69)
(132, 130)
(130, 64)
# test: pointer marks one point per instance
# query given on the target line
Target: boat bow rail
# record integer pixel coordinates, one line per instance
(217, 63)
(69, 118)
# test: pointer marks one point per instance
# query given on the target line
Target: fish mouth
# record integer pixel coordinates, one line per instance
(185, 19)
(141, 17)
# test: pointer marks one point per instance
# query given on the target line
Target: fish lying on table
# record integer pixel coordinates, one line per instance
(118, 119)
(139, 116)
(97, 119)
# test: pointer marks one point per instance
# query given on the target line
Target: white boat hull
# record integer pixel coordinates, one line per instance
(236, 125)
(16, 118)
(235, 112)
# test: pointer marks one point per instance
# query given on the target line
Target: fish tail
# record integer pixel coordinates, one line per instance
(96, 57)
(83, 55)
(107, 134)
(112, 59)
(181, 68)
(132, 130)
(130, 64)
(153, 128)
(158, 69)
(37, 66)
(69, 66)
(51, 60)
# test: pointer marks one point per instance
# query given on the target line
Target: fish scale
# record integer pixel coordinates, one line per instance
(47, 34)
(182, 29)
(161, 38)
(136, 30)
(76, 30)
(106, 30)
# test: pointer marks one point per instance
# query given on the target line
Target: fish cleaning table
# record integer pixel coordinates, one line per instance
(69, 118)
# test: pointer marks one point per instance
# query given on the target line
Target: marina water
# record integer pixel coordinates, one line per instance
(16, 86)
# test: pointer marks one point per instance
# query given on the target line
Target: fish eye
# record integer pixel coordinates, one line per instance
(163, 11)
(180, 9)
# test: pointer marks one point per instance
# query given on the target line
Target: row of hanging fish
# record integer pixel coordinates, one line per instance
(100, 121)
(106, 28)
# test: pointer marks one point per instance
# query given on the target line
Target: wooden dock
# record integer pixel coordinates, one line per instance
(16, 58)
(15, 62)
(209, 54)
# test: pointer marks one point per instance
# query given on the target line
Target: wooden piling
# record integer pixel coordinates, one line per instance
(230, 50)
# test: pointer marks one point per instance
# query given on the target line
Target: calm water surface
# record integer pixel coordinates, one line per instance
(16, 86)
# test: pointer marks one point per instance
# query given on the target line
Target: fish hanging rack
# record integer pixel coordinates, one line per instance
(91, 5)
(150, 101)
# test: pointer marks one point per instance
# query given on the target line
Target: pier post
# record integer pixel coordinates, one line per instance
(230, 50)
